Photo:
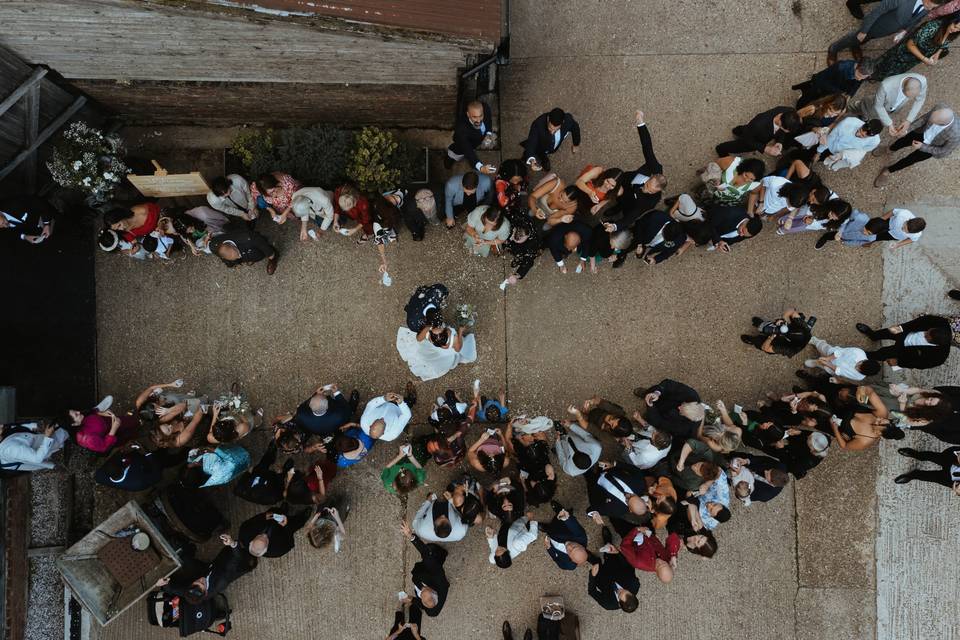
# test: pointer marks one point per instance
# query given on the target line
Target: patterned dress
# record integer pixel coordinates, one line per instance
(898, 59)
(280, 202)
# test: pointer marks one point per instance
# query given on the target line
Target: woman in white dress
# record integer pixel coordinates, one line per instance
(435, 350)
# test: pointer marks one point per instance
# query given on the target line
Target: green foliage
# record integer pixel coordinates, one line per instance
(314, 155)
(250, 144)
(378, 161)
(323, 155)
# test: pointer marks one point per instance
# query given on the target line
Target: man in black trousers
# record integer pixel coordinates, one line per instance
(613, 581)
(922, 343)
(730, 225)
(197, 581)
(843, 77)
(271, 534)
(546, 135)
(767, 132)
(639, 191)
(239, 244)
(430, 582)
(474, 129)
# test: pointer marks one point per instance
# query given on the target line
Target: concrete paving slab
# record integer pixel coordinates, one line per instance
(835, 613)
(915, 587)
(621, 27)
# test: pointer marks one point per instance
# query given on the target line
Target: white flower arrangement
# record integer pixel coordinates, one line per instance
(86, 160)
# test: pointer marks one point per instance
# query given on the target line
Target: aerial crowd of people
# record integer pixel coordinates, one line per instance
(658, 480)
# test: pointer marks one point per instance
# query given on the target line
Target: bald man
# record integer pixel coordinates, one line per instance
(474, 129)
(566, 238)
(935, 135)
(565, 540)
(900, 95)
(271, 534)
(326, 410)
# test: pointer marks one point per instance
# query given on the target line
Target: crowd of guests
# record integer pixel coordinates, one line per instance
(658, 480)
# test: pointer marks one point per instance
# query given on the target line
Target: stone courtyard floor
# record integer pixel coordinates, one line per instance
(826, 560)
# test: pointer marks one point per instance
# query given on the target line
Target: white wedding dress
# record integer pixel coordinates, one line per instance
(428, 361)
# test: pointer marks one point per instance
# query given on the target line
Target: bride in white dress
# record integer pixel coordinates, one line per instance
(435, 351)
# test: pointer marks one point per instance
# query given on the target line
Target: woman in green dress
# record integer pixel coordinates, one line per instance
(928, 44)
(404, 473)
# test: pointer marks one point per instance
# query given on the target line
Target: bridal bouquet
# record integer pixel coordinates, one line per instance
(466, 315)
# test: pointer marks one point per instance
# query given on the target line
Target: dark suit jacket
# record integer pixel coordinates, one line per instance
(649, 225)
(634, 202)
(229, 565)
(539, 141)
(281, 538)
(466, 137)
(921, 357)
(759, 131)
(762, 492)
(724, 219)
(665, 414)
(605, 503)
(338, 414)
(890, 16)
(555, 239)
(568, 530)
(837, 78)
(614, 569)
(429, 573)
(183, 577)
(32, 212)
(253, 247)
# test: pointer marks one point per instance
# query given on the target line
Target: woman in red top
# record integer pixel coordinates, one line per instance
(643, 550)
(597, 183)
(511, 184)
(135, 222)
(274, 192)
(352, 213)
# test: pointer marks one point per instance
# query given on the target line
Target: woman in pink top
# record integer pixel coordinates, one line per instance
(101, 431)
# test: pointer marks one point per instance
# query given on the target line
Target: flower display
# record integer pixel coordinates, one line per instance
(87, 160)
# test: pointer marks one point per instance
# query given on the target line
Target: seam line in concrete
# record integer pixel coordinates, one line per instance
(796, 560)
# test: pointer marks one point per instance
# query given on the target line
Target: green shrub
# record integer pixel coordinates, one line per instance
(378, 161)
(250, 144)
(314, 155)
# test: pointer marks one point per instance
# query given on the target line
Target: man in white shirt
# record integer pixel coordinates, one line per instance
(891, 99)
(312, 204)
(850, 135)
(509, 542)
(848, 363)
(437, 521)
(645, 451)
(385, 417)
(231, 195)
(777, 196)
(902, 226)
(24, 447)
(577, 450)
(935, 135)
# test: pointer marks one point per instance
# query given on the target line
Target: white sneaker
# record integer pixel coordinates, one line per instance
(104, 404)
(476, 387)
(401, 595)
(810, 364)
